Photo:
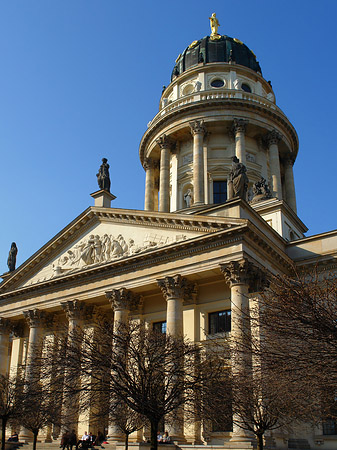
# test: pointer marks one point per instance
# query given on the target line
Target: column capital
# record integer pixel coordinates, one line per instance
(36, 318)
(198, 127)
(150, 163)
(123, 299)
(165, 142)
(177, 287)
(245, 272)
(289, 160)
(239, 125)
(273, 137)
(6, 326)
(75, 310)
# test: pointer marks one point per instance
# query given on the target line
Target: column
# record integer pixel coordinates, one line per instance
(165, 143)
(36, 320)
(289, 184)
(122, 301)
(198, 131)
(5, 330)
(149, 184)
(76, 312)
(239, 129)
(240, 275)
(175, 290)
(272, 139)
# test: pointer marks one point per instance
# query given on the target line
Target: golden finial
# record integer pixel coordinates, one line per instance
(214, 27)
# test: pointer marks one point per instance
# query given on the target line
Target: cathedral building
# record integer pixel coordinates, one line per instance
(220, 205)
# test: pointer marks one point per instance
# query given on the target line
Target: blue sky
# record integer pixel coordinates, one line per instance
(80, 79)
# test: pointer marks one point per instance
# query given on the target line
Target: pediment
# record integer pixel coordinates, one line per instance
(102, 236)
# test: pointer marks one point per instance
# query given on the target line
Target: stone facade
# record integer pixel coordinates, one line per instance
(172, 263)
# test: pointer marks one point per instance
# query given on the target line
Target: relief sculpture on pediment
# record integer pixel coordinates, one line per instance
(97, 249)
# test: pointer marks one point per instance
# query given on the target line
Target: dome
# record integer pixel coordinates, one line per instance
(210, 50)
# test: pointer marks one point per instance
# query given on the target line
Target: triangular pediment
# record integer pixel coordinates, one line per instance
(102, 236)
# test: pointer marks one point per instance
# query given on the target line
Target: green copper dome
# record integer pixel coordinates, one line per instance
(219, 49)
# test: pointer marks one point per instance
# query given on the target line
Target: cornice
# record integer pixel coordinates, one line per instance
(94, 215)
(220, 104)
(194, 246)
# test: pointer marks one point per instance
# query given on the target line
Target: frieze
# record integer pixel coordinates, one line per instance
(100, 249)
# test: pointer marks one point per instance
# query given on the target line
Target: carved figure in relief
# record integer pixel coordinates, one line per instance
(106, 248)
(97, 249)
(88, 251)
(188, 198)
(238, 180)
(11, 261)
(103, 177)
(116, 248)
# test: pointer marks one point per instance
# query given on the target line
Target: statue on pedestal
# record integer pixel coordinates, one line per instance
(238, 180)
(11, 261)
(103, 177)
(214, 25)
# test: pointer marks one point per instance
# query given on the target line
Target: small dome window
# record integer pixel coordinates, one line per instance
(245, 87)
(217, 83)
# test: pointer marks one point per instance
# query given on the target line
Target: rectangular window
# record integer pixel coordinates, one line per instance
(219, 322)
(329, 427)
(160, 327)
(219, 191)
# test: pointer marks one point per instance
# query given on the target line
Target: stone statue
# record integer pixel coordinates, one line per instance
(261, 190)
(11, 261)
(214, 24)
(188, 198)
(103, 177)
(238, 180)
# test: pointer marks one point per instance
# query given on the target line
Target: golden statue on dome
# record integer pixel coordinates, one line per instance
(214, 27)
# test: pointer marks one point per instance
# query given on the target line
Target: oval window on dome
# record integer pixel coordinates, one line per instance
(217, 83)
(245, 87)
(188, 89)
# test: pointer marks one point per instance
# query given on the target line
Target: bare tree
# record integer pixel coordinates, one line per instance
(152, 374)
(10, 404)
(298, 319)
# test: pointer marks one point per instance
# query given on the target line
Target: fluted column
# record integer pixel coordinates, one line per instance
(122, 301)
(175, 290)
(272, 140)
(198, 131)
(5, 330)
(76, 311)
(290, 184)
(149, 167)
(239, 129)
(166, 144)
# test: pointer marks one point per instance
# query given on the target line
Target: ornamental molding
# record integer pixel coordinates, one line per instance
(272, 113)
(178, 287)
(77, 310)
(196, 246)
(245, 272)
(6, 326)
(37, 318)
(123, 299)
(97, 215)
(198, 127)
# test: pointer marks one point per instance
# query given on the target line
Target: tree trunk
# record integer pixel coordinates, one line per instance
(154, 432)
(35, 440)
(259, 438)
(3, 433)
(126, 441)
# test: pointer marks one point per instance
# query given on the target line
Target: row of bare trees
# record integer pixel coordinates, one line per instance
(136, 376)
